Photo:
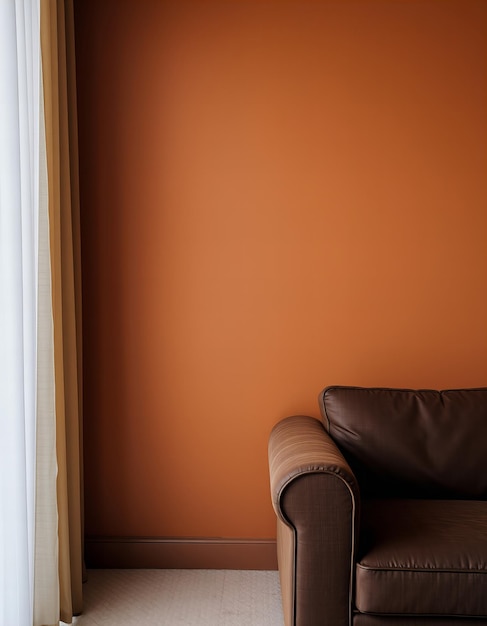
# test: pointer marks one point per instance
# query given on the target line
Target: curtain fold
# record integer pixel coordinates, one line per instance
(46, 553)
(20, 208)
(41, 491)
(58, 66)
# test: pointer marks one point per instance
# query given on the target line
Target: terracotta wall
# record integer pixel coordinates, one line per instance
(276, 196)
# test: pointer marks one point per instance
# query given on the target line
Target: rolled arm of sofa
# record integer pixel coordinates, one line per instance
(316, 499)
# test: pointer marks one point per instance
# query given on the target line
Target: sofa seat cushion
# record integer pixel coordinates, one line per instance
(423, 557)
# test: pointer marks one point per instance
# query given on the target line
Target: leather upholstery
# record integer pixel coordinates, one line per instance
(426, 557)
(361, 619)
(314, 494)
(382, 512)
(420, 444)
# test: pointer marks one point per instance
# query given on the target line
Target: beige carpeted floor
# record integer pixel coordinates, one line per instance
(181, 597)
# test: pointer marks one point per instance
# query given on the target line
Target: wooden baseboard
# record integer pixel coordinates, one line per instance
(180, 553)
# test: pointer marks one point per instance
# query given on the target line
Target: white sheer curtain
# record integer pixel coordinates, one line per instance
(28, 518)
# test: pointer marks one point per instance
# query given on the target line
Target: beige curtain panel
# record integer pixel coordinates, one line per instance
(59, 84)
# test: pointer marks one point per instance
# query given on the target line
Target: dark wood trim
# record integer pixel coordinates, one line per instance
(180, 553)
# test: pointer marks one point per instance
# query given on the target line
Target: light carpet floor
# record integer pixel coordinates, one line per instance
(181, 597)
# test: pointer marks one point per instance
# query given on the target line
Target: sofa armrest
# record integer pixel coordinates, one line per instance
(316, 499)
(300, 445)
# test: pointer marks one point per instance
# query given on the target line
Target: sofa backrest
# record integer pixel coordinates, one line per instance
(407, 443)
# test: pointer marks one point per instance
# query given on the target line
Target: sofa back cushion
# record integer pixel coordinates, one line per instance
(407, 443)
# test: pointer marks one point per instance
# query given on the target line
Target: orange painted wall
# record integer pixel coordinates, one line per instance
(276, 196)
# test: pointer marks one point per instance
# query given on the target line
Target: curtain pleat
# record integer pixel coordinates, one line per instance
(20, 123)
(57, 44)
(46, 553)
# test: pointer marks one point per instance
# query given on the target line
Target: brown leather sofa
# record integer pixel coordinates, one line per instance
(382, 509)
